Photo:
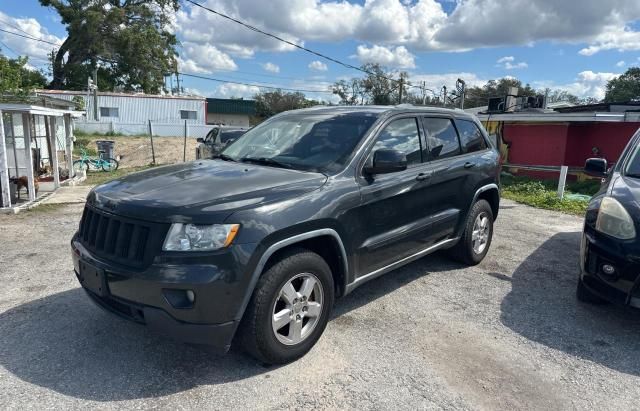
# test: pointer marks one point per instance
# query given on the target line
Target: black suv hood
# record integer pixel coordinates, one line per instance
(203, 191)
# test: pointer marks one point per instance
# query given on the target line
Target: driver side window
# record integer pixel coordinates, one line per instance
(401, 135)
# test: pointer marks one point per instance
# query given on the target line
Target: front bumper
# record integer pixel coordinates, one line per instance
(623, 286)
(219, 281)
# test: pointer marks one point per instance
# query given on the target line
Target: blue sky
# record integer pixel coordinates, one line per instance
(542, 42)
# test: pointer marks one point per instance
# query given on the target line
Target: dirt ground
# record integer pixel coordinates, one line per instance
(507, 334)
(136, 151)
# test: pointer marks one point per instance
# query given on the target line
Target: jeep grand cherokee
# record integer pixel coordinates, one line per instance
(257, 243)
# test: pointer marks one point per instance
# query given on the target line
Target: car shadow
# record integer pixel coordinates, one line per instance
(64, 343)
(542, 307)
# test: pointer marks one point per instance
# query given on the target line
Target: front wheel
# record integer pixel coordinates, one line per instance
(109, 164)
(476, 237)
(80, 165)
(289, 309)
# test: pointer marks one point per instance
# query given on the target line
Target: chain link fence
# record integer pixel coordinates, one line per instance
(137, 146)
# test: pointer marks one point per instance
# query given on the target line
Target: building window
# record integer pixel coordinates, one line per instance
(109, 112)
(188, 115)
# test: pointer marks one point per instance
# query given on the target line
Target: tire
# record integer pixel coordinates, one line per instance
(110, 164)
(80, 165)
(464, 251)
(259, 333)
(583, 294)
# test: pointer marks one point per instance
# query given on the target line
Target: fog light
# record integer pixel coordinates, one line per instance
(179, 298)
(190, 296)
(608, 269)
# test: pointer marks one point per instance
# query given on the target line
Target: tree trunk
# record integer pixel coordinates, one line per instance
(58, 66)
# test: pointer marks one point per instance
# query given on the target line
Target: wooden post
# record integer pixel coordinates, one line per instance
(153, 153)
(68, 132)
(563, 180)
(54, 152)
(186, 133)
(4, 168)
(26, 127)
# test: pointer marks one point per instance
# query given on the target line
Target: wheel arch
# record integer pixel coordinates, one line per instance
(491, 194)
(326, 242)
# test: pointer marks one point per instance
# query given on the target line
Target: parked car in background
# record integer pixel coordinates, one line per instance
(216, 140)
(610, 247)
(302, 209)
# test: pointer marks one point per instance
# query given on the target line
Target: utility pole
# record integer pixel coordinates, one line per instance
(401, 87)
(424, 93)
(178, 83)
(444, 96)
(95, 92)
(462, 88)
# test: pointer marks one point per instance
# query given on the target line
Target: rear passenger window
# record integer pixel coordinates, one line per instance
(401, 135)
(471, 137)
(442, 139)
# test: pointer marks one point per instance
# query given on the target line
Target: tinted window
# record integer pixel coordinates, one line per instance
(442, 139)
(109, 112)
(470, 136)
(188, 115)
(228, 136)
(401, 135)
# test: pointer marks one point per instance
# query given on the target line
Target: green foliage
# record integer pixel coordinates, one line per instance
(542, 193)
(16, 79)
(625, 87)
(129, 43)
(274, 102)
(378, 87)
(79, 102)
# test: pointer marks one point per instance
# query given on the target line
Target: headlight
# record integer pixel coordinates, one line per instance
(614, 220)
(191, 237)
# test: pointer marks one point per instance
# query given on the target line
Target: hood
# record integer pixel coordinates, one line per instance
(627, 191)
(204, 191)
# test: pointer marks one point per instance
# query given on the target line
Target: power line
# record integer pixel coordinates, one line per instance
(15, 27)
(272, 87)
(30, 38)
(324, 56)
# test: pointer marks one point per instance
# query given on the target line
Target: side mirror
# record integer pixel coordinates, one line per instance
(596, 167)
(200, 140)
(386, 161)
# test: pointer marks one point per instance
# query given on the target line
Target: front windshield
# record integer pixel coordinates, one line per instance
(633, 165)
(313, 142)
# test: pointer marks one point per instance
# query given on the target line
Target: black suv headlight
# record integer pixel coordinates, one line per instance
(614, 220)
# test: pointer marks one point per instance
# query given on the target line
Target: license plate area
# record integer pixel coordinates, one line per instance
(93, 279)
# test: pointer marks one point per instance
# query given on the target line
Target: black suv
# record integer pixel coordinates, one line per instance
(301, 209)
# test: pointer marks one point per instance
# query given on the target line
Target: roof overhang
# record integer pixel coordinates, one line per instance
(37, 110)
(593, 117)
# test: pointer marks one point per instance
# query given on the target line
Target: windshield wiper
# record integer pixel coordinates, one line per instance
(265, 161)
(225, 157)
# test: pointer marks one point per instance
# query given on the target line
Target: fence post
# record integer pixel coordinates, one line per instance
(186, 133)
(153, 153)
(563, 180)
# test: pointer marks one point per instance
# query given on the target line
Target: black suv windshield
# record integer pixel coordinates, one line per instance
(314, 142)
(633, 165)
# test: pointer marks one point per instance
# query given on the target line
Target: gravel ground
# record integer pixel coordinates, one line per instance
(507, 334)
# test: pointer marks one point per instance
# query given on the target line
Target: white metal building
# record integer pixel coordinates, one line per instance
(130, 114)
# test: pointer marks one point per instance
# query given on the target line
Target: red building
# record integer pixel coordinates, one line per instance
(567, 137)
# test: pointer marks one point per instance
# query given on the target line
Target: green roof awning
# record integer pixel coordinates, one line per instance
(231, 106)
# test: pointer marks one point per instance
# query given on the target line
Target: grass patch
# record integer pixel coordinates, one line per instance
(101, 177)
(543, 194)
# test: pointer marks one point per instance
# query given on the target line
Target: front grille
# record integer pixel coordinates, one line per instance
(124, 241)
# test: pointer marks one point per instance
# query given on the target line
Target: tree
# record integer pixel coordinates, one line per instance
(18, 80)
(479, 96)
(127, 41)
(625, 87)
(274, 102)
(377, 87)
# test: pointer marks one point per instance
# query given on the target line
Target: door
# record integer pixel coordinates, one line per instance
(392, 217)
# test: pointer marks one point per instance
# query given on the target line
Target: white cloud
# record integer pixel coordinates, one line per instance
(26, 47)
(619, 38)
(586, 84)
(509, 63)
(318, 66)
(228, 90)
(621, 63)
(399, 57)
(273, 68)
(435, 81)
(204, 58)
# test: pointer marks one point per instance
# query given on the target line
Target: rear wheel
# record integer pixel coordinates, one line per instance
(586, 296)
(80, 165)
(476, 237)
(289, 309)
(109, 164)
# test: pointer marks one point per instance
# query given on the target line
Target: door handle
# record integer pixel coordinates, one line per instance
(469, 164)
(423, 176)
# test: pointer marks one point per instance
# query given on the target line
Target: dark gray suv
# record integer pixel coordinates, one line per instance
(305, 207)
